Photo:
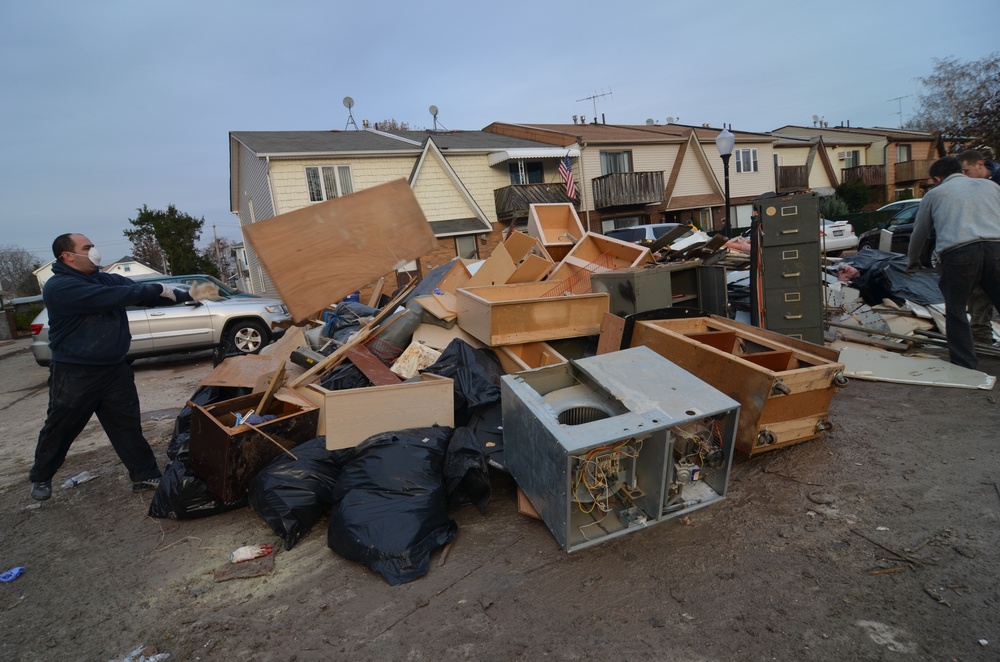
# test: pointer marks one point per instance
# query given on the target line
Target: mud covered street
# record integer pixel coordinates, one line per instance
(877, 542)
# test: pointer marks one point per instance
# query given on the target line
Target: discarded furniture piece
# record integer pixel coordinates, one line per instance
(556, 226)
(227, 456)
(651, 287)
(786, 267)
(349, 416)
(607, 445)
(595, 253)
(528, 312)
(784, 385)
(515, 358)
(324, 251)
(518, 259)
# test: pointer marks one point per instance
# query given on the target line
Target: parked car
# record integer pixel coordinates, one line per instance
(837, 236)
(901, 227)
(244, 324)
(900, 205)
(638, 234)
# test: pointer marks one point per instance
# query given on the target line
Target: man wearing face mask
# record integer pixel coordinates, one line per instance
(89, 336)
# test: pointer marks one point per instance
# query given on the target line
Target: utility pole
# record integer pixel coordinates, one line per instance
(218, 255)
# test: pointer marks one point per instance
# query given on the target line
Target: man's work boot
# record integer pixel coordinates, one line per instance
(41, 490)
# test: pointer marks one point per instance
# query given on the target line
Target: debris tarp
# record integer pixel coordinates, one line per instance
(883, 275)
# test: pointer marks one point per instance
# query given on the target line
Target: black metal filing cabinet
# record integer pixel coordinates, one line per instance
(785, 270)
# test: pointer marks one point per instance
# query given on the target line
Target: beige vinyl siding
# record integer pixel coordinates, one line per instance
(291, 192)
(481, 180)
(436, 192)
(745, 184)
(692, 178)
(254, 194)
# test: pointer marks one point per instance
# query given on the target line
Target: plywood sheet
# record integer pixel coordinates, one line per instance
(243, 370)
(322, 252)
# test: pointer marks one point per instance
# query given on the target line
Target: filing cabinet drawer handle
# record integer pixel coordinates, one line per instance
(793, 317)
(794, 275)
(792, 231)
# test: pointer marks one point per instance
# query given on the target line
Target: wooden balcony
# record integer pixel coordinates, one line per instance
(872, 175)
(792, 178)
(625, 189)
(512, 201)
(913, 171)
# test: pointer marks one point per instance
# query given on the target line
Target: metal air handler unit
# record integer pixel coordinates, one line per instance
(608, 445)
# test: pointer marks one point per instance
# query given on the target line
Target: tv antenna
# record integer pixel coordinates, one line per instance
(433, 110)
(899, 100)
(348, 104)
(594, 97)
(819, 122)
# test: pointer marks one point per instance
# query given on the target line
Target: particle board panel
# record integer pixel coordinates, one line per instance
(349, 416)
(325, 251)
(612, 330)
(556, 226)
(243, 370)
(595, 251)
(526, 356)
(520, 313)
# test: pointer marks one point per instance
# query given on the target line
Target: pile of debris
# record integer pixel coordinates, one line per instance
(604, 376)
(889, 325)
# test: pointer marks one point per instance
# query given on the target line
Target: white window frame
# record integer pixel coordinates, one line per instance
(750, 154)
(467, 239)
(338, 177)
(900, 149)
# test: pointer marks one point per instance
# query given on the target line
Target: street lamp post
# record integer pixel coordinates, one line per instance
(725, 142)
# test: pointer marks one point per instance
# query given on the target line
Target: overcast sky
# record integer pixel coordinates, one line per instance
(108, 106)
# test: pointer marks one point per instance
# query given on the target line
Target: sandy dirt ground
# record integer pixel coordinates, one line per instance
(877, 542)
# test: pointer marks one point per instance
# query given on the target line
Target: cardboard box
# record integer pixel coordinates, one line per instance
(525, 312)
(350, 416)
(227, 456)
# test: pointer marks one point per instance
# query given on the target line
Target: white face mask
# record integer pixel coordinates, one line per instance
(93, 255)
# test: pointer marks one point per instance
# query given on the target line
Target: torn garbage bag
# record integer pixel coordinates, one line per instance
(183, 494)
(467, 476)
(291, 495)
(476, 373)
(391, 503)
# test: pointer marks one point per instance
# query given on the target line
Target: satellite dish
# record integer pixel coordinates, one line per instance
(433, 110)
(348, 103)
(670, 120)
(650, 122)
(815, 118)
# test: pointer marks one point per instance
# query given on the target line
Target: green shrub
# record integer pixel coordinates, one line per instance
(832, 206)
(855, 194)
(23, 320)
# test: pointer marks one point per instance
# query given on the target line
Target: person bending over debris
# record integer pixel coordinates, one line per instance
(89, 336)
(965, 215)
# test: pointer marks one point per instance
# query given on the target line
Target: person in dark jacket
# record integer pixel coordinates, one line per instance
(88, 374)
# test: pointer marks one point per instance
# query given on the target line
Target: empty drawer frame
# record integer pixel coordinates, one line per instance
(784, 386)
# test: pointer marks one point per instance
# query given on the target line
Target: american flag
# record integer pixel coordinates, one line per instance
(566, 172)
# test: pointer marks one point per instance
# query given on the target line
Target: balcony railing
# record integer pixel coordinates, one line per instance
(913, 171)
(793, 178)
(623, 189)
(512, 201)
(872, 175)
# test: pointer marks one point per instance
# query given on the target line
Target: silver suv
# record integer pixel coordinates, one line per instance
(244, 323)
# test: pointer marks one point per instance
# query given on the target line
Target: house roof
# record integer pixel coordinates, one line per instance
(568, 134)
(302, 143)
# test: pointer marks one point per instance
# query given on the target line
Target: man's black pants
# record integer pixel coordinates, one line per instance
(962, 269)
(76, 392)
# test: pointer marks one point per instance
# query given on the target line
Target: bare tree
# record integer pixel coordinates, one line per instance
(962, 100)
(146, 250)
(219, 252)
(16, 267)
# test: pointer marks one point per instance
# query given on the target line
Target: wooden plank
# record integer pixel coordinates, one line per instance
(612, 329)
(497, 268)
(294, 338)
(533, 269)
(242, 370)
(376, 293)
(376, 371)
(325, 251)
(434, 307)
(277, 380)
(439, 337)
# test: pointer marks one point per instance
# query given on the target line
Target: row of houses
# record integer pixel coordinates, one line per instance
(472, 185)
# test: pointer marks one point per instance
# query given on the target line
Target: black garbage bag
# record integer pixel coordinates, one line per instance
(344, 376)
(476, 373)
(467, 476)
(291, 495)
(177, 449)
(390, 506)
(183, 494)
(883, 275)
(487, 426)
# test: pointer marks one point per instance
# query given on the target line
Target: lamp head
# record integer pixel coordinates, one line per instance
(725, 141)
